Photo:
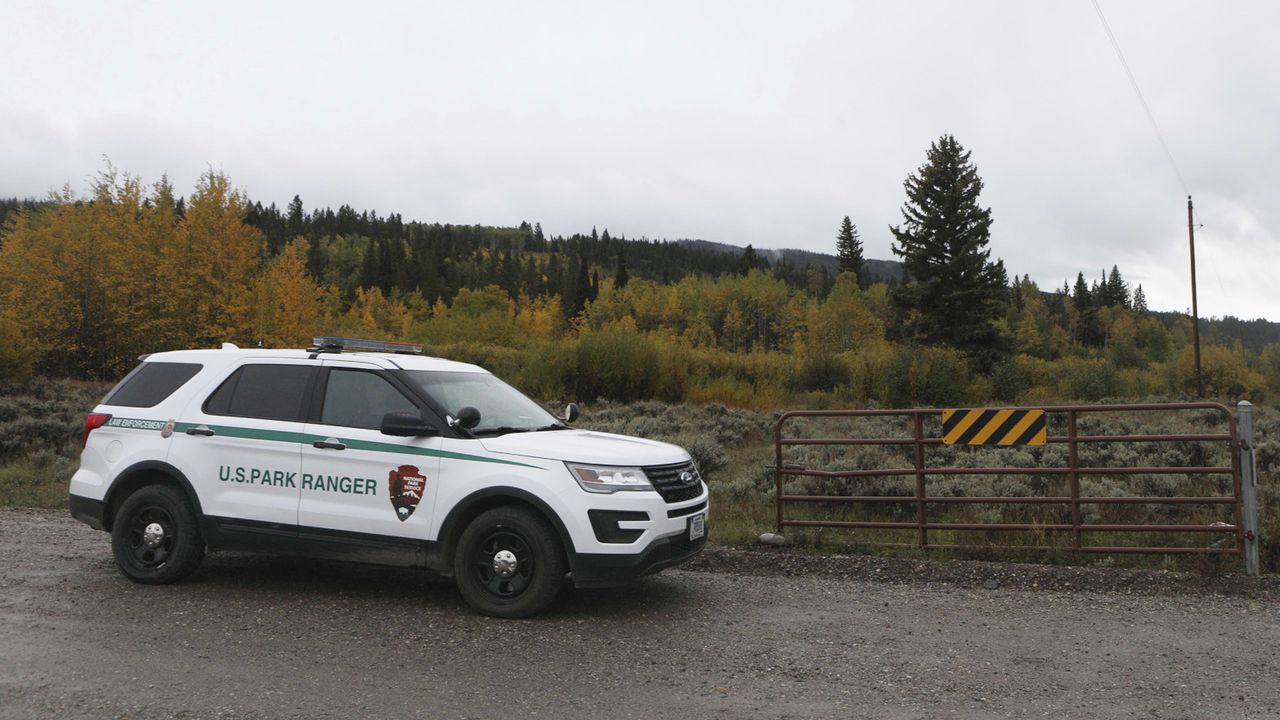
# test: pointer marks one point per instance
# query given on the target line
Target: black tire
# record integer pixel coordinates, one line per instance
(153, 557)
(517, 592)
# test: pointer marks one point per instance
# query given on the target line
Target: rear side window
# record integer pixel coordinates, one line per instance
(150, 383)
(267, 392)
(359, 399)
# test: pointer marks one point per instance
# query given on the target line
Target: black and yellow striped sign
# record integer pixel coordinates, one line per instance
(994, 427)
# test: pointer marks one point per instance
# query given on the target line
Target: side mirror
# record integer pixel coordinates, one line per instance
(407, 424)
(570, 412)
(468, 417)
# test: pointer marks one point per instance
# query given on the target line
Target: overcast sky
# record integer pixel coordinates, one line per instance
(734, 122)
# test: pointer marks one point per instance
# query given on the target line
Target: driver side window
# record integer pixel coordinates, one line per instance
(359, 399)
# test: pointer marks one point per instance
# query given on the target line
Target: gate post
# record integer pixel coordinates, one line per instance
(1248, 486)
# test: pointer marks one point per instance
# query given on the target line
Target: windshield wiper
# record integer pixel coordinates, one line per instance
(503, 430)
(554, 426)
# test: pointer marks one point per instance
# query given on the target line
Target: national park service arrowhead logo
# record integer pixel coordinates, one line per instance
(407, 485)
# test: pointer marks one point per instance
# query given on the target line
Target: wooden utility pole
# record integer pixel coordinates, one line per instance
(1195, 311)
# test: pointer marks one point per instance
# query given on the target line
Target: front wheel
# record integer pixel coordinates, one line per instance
(155, 537)
(509, 563)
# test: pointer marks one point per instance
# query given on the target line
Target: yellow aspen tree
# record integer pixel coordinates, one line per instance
(843, 321)
(154, 310)
(219, 256)
(31, 282)
(16, 359)
(541, 317)
(735, 325)
(288, 304)
(378, 317)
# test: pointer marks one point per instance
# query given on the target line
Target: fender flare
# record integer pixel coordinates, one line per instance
(450, 530)
(151, 466)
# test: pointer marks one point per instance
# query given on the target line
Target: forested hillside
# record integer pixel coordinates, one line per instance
(88, 283)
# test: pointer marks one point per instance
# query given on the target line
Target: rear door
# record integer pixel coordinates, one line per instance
(241, 448)
(365, 495)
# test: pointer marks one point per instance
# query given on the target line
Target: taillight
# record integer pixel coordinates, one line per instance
(91, 423)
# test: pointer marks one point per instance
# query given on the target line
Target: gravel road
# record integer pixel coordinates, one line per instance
(738, 634)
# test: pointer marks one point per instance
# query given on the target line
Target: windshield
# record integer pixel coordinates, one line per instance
(502, 408)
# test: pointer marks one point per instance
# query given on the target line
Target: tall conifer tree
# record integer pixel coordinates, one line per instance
(849, 249)
(953, 293)
(1139, 300)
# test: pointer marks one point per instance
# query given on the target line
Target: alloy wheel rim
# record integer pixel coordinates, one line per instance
(503, 563)
(151, 537)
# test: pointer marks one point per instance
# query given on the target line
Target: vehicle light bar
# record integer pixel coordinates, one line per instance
(341, 344)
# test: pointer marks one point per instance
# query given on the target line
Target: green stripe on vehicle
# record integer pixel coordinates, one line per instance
(372, 446)
(252, 433)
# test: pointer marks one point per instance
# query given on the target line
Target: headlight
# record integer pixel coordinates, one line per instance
(608, 479)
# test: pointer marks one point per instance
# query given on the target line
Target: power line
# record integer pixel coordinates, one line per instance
(1133, 81)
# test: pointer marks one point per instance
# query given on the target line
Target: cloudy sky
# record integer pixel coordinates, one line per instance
(735, 122)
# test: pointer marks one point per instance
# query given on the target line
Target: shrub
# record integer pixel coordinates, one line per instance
(1224, 373)
(821, 372)
(617, 363)
(932, 376)
(1007, 381)
(1090, 380)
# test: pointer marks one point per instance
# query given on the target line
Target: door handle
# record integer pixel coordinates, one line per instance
(329, 444)
(201, 430)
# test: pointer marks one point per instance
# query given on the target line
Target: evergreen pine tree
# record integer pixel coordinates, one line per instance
(369, 269)
(1117, 288)
(296, 219)
(386, 267)
(399, 274)
(749, 260)
(532, 277)
(1139, 300)
(953, 293)
(849, 249)
(577, 289)
(509, 271)
(428, 273)
(621, 278)
(1080, 295)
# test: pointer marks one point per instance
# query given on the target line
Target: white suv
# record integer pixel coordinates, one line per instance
(356, 450)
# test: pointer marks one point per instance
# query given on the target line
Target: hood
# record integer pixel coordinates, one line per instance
(585, 446)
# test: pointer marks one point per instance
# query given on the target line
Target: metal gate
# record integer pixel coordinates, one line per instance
(922, 436)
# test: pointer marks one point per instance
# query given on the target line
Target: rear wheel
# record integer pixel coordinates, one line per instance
(509, 563)
(155, 537)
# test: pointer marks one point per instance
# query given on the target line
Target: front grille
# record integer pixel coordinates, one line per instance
(667, 481)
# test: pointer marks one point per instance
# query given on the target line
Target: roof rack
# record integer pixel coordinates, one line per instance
(328, 344)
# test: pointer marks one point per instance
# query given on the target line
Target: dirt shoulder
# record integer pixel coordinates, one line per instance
(786, 562)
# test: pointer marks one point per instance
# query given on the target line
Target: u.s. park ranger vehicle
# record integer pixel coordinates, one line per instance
(369, 451)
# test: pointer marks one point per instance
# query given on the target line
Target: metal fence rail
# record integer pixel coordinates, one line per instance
(1235, 533)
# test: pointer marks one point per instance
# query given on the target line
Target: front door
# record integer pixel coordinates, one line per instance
(365, 495)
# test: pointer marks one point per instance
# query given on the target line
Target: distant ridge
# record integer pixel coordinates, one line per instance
(878, 270)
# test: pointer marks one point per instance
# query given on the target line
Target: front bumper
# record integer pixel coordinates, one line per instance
(594, 570)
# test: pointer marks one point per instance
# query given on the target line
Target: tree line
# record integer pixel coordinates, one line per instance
(88, 283)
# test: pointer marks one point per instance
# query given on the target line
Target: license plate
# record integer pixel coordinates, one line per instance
(697, 526)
